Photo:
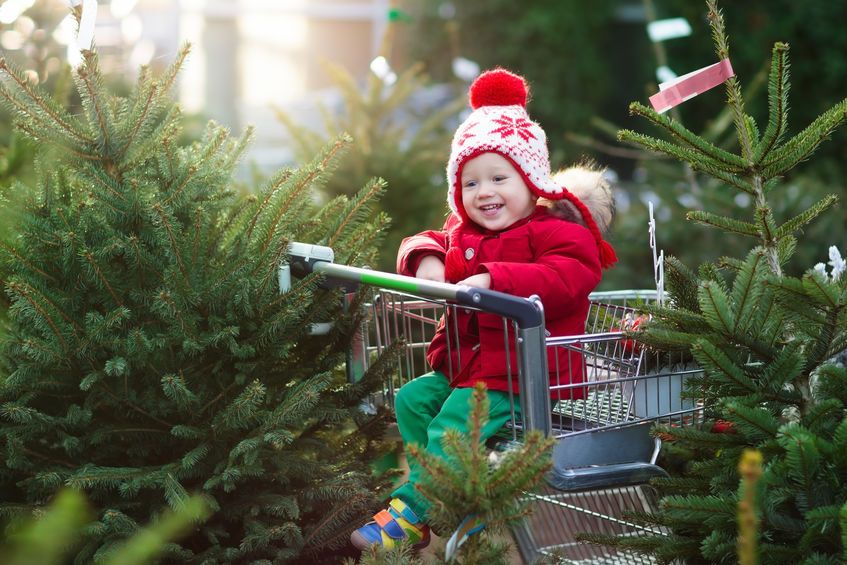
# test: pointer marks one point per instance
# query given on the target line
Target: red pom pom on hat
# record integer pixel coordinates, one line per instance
(498, 87)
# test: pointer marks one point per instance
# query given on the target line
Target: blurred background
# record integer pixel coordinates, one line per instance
(394, 75)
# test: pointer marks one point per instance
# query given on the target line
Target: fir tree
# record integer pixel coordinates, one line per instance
(485, 485)
(150, 354)
(766, 341)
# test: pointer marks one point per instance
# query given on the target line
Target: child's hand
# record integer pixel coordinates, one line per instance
(482, 280)
(431, 268)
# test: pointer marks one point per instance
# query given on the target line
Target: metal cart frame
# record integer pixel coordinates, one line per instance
(604, 456)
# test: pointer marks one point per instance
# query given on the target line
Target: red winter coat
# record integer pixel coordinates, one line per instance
(556, 259)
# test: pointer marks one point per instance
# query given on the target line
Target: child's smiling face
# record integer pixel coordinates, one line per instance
(494, 194)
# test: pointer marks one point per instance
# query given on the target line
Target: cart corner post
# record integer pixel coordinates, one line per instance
(528, 315)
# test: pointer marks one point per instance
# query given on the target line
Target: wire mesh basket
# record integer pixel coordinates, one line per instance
(604, 455)
(626, 388)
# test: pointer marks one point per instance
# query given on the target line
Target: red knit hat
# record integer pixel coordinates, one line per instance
(500, 124)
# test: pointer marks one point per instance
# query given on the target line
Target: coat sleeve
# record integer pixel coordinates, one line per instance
(565, 270)
(413, 249)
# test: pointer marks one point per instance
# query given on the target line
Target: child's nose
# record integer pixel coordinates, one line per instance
(486, 190)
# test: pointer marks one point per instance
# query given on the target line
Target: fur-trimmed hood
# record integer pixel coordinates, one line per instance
(589, 183)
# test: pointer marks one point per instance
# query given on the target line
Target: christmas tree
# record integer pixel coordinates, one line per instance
(476, 487)
(150, 354)
(767, 341)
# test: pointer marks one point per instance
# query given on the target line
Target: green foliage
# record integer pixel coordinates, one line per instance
(393, 140)
(473, 482)
(588, 64)
(50, 538)
(556, 44)
(766, 341)
(150, 354)
(469, 484)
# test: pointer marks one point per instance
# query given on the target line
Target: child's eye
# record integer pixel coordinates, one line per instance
(469, 184)
(499, 178)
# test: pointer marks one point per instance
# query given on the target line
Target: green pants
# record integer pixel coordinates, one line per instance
(428, 406)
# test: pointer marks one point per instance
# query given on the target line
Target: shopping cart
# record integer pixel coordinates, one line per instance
(604, 456)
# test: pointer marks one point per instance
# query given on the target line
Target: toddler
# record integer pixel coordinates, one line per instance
(501, 237)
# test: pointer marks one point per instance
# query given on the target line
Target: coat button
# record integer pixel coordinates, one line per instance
(469, 252)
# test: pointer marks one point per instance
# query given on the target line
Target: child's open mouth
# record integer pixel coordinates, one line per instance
(491, 209)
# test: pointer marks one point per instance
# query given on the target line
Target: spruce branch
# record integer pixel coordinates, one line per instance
(189, 175)
(753, 421)
(38, 349)
(298, 402)
(724, 223)
(450, 484)
(687, 156)
(823, 292)
(272, 266)
(277, 181)
(337, 521)
(139, 122)
(802, 145)
(716, 308)
(366, 239)
(44, 103)
(710, 509)
(167, 79)
(802, 219)
(786, 366)
(90, 75)
(302, 184)
(821, 348)
(17, 256)
(237, 148)
(172, 238)
(27, 293)
(137, 153)
(778, 86)
(354, 212)
(215, 139)
(746, 290)
(43, 457)
(99, 272)
(102, 179)
(733, 88)
(802, 456)
(721, 366)
(768, 233)
(105, 388)
(725, 159)
(217, 398)
(751, 127)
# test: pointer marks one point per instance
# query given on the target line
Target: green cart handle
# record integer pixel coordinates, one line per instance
(527, 313)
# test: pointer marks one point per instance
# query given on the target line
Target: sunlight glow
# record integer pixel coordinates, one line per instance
(11, 9)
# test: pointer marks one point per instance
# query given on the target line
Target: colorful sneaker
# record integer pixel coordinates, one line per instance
(390, 527)
(468, 527)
